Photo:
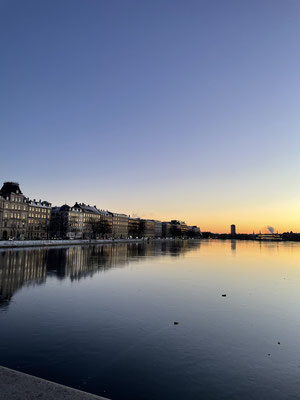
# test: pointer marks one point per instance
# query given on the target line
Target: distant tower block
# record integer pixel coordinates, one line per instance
(232, 229)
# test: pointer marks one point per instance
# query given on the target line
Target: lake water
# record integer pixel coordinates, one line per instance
(101, 318)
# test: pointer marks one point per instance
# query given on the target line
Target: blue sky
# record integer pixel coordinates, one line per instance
(165, 109)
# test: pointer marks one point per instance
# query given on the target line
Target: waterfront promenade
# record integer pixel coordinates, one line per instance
(81, 242)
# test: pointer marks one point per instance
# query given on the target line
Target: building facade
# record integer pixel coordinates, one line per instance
(14, 212)
(80, 222)
(178, 228)
(66, 222)
(157, 229)
(134, 227)
(39, 215)
(1, 214)
(194, 231)
(166, 229)
(147, 228)
(22, 218)
(90, 220)
(119, 225)
(106, 222)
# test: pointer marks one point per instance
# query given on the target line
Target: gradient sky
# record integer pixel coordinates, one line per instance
(163, 109)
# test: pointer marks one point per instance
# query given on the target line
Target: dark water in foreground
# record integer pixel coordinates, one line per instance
(101, 319)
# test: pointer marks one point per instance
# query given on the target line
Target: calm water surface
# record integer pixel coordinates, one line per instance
(101, 318)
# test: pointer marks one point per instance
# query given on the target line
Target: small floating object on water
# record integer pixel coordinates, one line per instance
(278, 342)
(269, 354)
(176, 322)
(224, 295)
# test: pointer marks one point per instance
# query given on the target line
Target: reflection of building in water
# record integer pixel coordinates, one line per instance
(18, 268)
(233, 244)
(80, 261)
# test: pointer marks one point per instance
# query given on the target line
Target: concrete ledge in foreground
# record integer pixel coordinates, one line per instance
(16, 385)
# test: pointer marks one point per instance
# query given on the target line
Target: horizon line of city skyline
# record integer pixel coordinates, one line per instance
(264, 229)
(22, 218)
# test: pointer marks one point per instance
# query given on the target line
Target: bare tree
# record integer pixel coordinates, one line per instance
(97, 228)
(93, 228)
(142, 228)
(105, 227)
(59, 225)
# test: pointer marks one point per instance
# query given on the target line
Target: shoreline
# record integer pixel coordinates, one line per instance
(15, 244)
(80, 242)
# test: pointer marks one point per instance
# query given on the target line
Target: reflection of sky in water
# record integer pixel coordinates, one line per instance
(101, 318)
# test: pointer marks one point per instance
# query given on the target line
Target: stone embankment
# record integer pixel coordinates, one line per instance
(49, 243)
(16, 385)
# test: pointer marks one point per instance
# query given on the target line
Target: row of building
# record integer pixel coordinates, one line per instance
(22, 218)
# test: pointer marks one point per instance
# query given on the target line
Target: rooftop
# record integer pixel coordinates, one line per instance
(10, 187)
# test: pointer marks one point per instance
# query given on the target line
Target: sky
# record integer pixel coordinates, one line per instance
(165, 109)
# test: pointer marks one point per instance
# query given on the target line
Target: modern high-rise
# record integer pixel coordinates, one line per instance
(232, 230)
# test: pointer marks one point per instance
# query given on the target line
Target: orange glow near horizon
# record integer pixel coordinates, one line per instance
(283, 218)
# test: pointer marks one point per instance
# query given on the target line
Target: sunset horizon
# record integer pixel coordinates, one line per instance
(198, 121)
(149, 205)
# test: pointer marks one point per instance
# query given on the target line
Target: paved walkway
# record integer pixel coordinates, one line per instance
(15, 385)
